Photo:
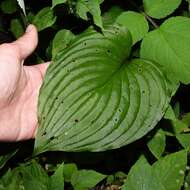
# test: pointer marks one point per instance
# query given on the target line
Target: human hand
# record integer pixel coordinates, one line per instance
(19, 88)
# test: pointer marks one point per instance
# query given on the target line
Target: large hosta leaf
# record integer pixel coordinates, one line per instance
(93, 98)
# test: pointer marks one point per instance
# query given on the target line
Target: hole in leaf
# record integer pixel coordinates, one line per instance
(52, 138)
(76, 120)
(139, 69)
(108, 51)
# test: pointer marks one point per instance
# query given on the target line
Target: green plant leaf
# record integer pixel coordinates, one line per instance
(169, 46)
(94, 99)
(86, 179)
(17, 28)
(57, 2)
(68, 170)
(170, 114)
(135, 22)
(44, 18)
(157, 144)
(160, 8)
(22, 5)
(110, 16)
(184, 139)
(9, 6)
(61, 41)
(57, 179)
(5, 158)
(93, 7)
(171, 170)
(141, 177)
(34, 176)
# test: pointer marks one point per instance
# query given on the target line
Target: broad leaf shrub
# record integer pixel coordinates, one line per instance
(119, 75)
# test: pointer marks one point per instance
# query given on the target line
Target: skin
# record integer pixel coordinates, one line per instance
(19, 88)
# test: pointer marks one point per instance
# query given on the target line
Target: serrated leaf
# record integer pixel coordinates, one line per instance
(86, 179)
(135, 22)
(157, 144)
(44, 18)
(22, 5)
(141, 177)
(57, 2)
(160, 8)
(9, 6)
(93, 7)
(94, 99)
(169, 46)
(57, 179)
(61, 41)
(171, 169)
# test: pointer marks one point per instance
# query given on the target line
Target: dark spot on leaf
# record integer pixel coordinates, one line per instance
(143, 91)
(116, 119)
(85, 43)
(92, 122)
(139, 69)
(52, 138)
(76, 120)
(62, 102)
(119, 110)
(108, 51)
(44, 133)
(56, 98)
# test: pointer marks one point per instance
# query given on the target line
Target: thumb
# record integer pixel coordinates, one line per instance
(28, 42)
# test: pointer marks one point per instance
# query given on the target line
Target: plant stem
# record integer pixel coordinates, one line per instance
(146, 16)
(150, 19)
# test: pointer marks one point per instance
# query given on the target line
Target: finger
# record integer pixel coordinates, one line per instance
(42, 68)
(27, 43)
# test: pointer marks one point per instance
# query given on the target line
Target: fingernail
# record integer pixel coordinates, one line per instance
(29, 28)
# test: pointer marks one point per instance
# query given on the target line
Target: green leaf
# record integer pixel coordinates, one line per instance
(157, 144)
(44, 18)
(57, 2)
(5, 158)
(68, 170)
(9, 6)
(22, 5)
(135, 22)
(11, 180)
(141, 177)
(171, 169)
(110, 16)
(179, 126)
(94, 99)
(57, 179)
(61, 41)
(184, 139)
(34, 176)
(160, 8)
(169, 46)
(187, 182)
(86, 179)
(17, 28)
(186, 119)
(170, 114)
(88, 6)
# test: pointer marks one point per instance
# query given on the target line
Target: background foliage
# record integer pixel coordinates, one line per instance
(160, 32)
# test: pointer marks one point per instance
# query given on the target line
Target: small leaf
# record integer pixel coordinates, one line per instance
(171, 170)
(157, 144)
(57, 2)
(160, 8)
(110, 16)
(9, 6)
(17, 28)
(5, 158)
(179, 126)
(136, 23)
(57, 179)
(141, 177)
(44, 18)
(93, 98)
(61, 41)
(86, 179)
(22, 5)
(169, 46)
(68, 170)
(184, 140)
(93, 7)
(170, 114)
